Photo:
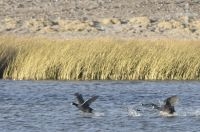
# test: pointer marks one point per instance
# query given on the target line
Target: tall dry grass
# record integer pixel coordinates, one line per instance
(7, 54)
(99, 59)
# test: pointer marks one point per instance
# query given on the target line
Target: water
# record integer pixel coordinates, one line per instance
(45, 106)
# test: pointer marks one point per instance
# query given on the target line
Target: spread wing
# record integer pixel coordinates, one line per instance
(90, 100)
(79, 98)
(171, 100)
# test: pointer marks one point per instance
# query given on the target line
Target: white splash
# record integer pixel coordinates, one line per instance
(166, 114)
(132, 112)
(93, 115)
(196, 112)
(99, 114)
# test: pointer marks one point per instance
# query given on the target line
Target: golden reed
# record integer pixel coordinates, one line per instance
(99, 59)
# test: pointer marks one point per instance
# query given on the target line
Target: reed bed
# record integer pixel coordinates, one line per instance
(25, 58)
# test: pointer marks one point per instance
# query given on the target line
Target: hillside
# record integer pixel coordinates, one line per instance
(89, 18)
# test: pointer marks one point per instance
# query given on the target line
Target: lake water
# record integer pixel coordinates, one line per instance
(45, 106)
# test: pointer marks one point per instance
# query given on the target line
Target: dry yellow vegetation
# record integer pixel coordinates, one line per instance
(99, 59)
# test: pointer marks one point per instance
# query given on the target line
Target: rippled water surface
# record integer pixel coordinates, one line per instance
(45, 106)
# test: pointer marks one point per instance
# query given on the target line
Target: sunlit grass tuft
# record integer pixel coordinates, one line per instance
(99, 59)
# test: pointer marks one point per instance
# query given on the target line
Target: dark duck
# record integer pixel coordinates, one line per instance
(84, 105)
(168, 107)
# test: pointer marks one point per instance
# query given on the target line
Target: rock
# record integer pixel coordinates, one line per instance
(74, 25)
(164, 25)
(109, 21)
(197, 33)
(9, 23)
(105, 21)
(140, 21)
(96, 25)
(195, 24)
(179, 33)
(176, 24)
(35, 24)
(115, 21)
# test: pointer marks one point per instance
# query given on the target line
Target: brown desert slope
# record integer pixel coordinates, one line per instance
(82, 18)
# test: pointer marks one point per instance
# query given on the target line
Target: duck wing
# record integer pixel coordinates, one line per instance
(89, 101)
(79, 98)
(171, 101)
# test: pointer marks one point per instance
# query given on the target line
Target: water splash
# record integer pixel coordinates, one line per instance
(166, 114)
(133, 112)
(92, 115)
(99, 114)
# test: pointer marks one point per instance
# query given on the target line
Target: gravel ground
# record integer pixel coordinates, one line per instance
(93, 9)
(15, 14)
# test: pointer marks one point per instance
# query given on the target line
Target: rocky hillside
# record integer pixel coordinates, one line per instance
(81, 18)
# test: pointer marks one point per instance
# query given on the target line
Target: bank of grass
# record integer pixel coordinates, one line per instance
(99, 59)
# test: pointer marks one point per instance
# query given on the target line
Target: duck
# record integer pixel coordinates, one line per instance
(168, 108)
(83, 105)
